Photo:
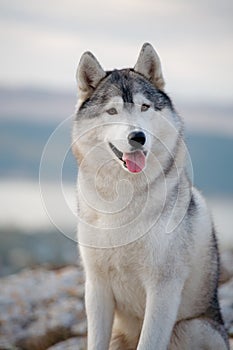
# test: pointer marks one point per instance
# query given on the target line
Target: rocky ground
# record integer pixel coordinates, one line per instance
(43, 309)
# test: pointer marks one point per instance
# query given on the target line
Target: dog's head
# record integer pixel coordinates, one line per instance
(123, 116)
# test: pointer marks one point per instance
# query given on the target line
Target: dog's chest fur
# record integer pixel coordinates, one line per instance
(129, 269)
(126, 274)
(125, 271)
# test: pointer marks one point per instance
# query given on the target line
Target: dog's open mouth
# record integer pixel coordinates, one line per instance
(134, 161)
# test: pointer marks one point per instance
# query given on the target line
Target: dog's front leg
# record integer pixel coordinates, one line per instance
(162, 306)
(100, 310)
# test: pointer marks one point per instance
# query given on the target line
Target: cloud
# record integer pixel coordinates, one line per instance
(42, 41)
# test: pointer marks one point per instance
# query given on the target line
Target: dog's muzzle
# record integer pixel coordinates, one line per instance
(135, 160)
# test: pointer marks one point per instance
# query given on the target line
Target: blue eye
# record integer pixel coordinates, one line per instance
(144, 107)
(112, 111)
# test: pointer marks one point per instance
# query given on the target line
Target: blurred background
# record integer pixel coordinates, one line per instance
(41, 43)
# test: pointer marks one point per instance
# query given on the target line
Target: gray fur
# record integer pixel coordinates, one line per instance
(123, 83)
(154, 283)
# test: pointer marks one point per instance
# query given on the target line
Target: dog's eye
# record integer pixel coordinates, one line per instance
(112, 111)
(144, 107)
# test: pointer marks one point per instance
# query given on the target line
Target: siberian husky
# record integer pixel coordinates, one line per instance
(146, 237)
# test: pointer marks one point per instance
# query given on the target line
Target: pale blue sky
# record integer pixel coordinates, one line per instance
(41, 42)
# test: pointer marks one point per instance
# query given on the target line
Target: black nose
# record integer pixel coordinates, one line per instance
(137, 139)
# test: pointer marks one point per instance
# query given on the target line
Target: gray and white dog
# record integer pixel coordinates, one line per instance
(146, 237)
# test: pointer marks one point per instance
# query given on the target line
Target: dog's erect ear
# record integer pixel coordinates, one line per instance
(89, 74)
(148, 64)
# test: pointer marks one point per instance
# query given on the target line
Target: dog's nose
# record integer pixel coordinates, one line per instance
(137, 139)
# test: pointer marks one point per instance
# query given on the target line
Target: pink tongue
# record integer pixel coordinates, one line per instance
(135, 161)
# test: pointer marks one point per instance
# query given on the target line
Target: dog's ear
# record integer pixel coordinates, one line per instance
(89, 74)
(148, 64)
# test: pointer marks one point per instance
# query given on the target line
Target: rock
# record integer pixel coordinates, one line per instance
(226, 302)
(39, 308)
(70, 344)
(226, 291)
(43, 309)
(231, 344)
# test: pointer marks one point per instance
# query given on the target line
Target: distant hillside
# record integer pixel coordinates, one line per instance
(21, 147)
(212, 160)
(28, 117)
(22, 143)
(35, 104)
